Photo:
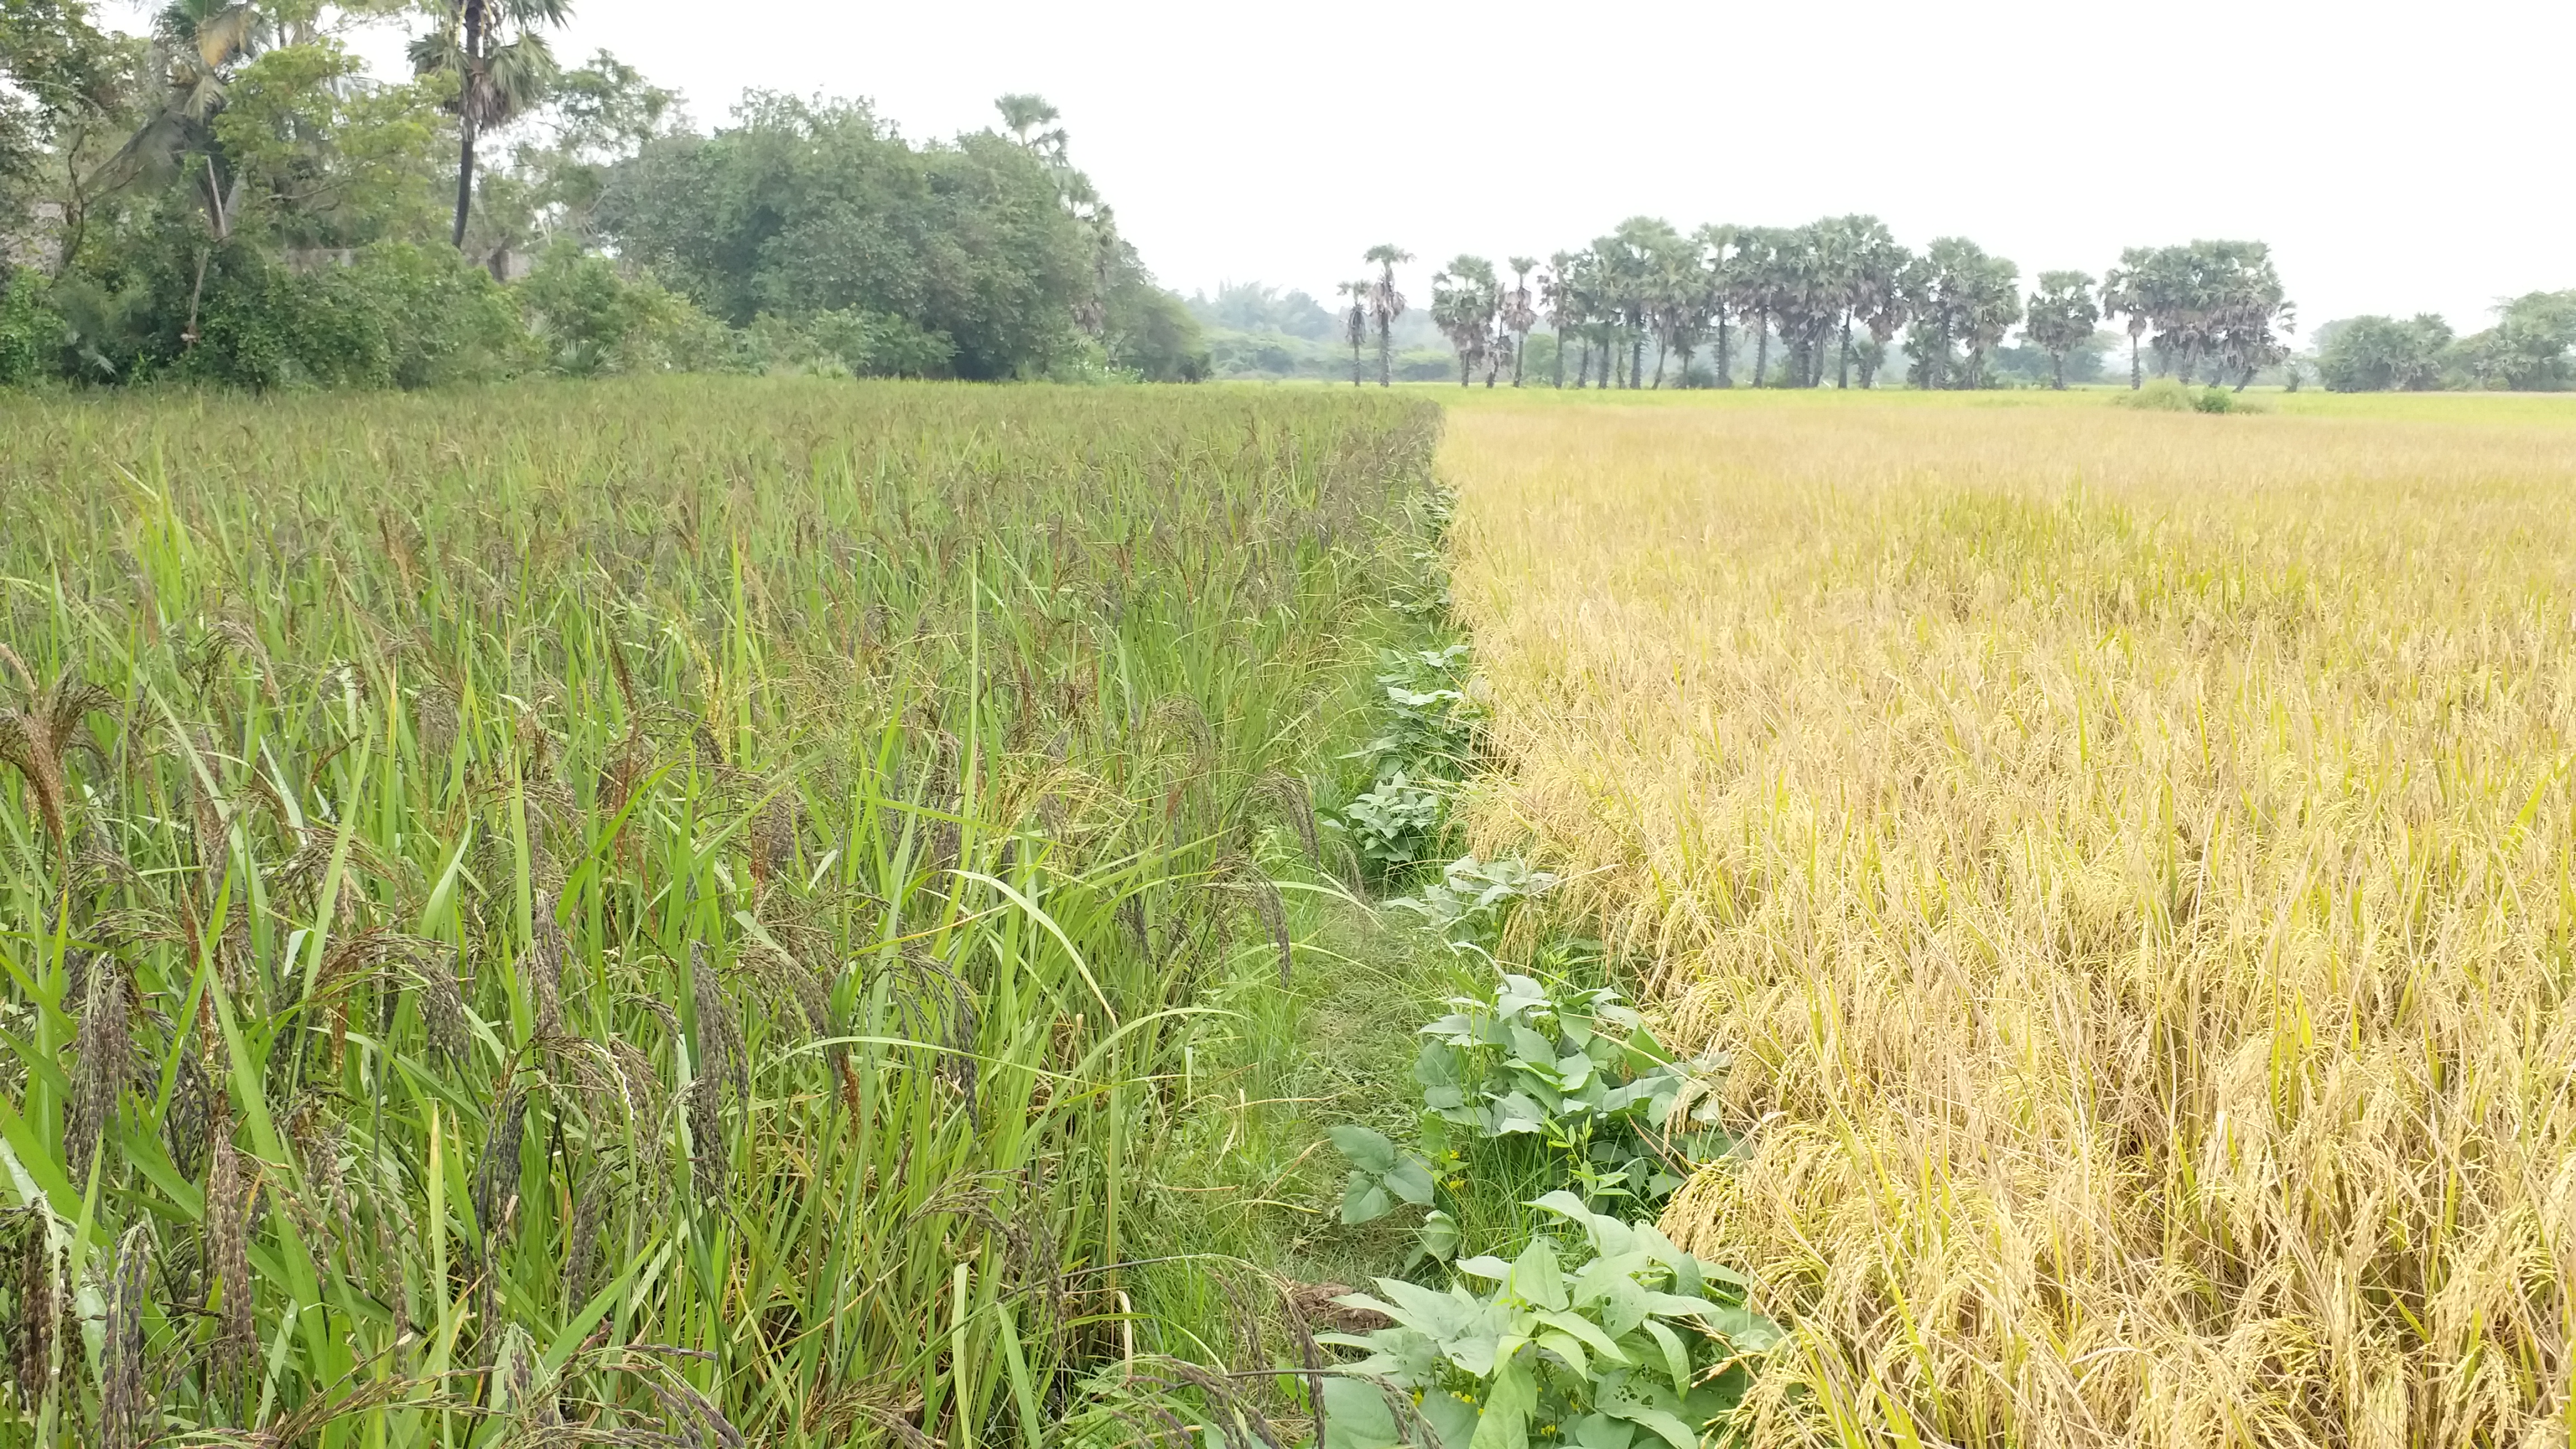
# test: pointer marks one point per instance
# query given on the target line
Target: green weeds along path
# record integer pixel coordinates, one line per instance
(644, 914)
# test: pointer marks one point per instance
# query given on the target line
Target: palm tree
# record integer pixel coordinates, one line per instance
(2125, 293)
(2246, 300)
(1684, 295)
(1022, 115)
(1875, 263)
(1385, 304)
(1464, 298)
(1717, 242)
(196, 46)
(2061, 317)
(497, 81)
(1752, 290)
(1518, 317)
(1355, 322)
(1628, 275)
(1559, 294)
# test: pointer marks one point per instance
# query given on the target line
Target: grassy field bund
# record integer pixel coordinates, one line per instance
(662, 913)
(2132, 858)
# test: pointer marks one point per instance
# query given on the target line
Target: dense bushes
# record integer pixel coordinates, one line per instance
(987, 257)
(234, 200)
(2527, 350)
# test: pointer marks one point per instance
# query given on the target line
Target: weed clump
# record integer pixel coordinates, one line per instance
(2169, 395)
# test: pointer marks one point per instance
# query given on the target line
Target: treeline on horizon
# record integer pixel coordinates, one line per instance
(232, 199)
(1842, 297)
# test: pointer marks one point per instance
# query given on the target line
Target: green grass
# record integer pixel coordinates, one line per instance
(667, 906)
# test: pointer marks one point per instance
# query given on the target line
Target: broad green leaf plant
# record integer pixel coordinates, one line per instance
(1576, 1070)
(1636, 1343)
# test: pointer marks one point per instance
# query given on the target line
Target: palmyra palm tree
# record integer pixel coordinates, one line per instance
(2125, 293)
(1518, 316)
(1355, 323)
(1560, 296)
(1385, 304)
(497, 81)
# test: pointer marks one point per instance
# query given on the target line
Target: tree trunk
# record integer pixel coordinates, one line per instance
(1636, 359)
(188, 339)
(1725, 355)
(1520, 350)
(1659, 363)
(2243, 382)
(2058, 360)
(465, 117)
(2137, 378)
(1762, 349)
(1583, 364)
(1385, 353)
(1560, 359)
(1842, 376)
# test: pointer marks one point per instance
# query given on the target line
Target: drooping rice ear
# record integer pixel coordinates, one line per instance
(38, 1310)
(231, 1187)
(545, 967)
(102, 1043)
(126, 1419)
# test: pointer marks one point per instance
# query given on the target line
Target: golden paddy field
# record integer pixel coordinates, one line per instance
(2130, 857)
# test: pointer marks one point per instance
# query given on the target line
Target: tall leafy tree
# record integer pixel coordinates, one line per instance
(1355, 322)
(965, 258)
(1031, 121)
(496, 56)
(2248, 308)
(1867, 264)
(2529, 347)
(1464, 298)
(2128, 292)
(1959, 297)
(1685, 294)
(1717, 245)
(1519, 315)
(1810, 269)
(1385, 304)
(2061, 317)
(63, 82)
(1559, 296)
(1628, 278)
(1753, 290)
(2382, 354)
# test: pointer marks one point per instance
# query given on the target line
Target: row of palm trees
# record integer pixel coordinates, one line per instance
(1835, 292)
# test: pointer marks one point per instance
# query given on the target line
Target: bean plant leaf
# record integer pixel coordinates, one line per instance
(1368, 1150)
(1452, 1419)
(1535, 1277)
(1356, 1416)
(1676, 1357)
(1600, 1431)
(1504, 1423)
(1440, 1236)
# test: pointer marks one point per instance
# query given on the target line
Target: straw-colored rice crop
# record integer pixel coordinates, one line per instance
(2133, 859)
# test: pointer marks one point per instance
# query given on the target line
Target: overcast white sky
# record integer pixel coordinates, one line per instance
(2397, 158)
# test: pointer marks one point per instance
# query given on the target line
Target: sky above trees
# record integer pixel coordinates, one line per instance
(1277, 142)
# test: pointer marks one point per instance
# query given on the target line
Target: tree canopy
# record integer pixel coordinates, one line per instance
(233, 198)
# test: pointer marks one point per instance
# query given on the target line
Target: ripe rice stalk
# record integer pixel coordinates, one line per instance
(608, 624)
(2127, 861)
(125, 1419)
(102, 1045)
